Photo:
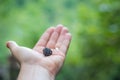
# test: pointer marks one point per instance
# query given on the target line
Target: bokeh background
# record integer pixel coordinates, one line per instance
(94, 53)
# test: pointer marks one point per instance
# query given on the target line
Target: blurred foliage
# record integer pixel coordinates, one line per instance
(95, 26)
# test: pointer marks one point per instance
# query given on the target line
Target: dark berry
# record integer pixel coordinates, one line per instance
(47, 51)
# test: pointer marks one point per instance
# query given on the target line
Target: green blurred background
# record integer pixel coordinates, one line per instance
(94, 52)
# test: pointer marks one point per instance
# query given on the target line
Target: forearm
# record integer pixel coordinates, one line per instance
(34, 72)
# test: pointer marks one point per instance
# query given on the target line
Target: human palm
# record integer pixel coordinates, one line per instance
(56, 38)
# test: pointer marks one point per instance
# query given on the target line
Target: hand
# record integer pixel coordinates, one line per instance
(56, 38)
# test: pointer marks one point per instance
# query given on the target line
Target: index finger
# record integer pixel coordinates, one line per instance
(44, 38)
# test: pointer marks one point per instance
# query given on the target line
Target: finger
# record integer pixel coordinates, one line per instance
(64, 46)
(61, 37)
(44, 38)
(54, 37)
(12, 46)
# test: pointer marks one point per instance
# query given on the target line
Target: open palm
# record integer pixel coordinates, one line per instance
(56, 38)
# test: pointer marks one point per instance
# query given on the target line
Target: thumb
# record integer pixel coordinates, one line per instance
(12, 46)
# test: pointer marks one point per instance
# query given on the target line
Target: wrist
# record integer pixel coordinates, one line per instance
(34, 72)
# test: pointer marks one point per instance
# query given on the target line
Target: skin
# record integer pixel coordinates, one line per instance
(33, 64)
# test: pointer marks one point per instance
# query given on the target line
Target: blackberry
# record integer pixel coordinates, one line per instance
(47, 51)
